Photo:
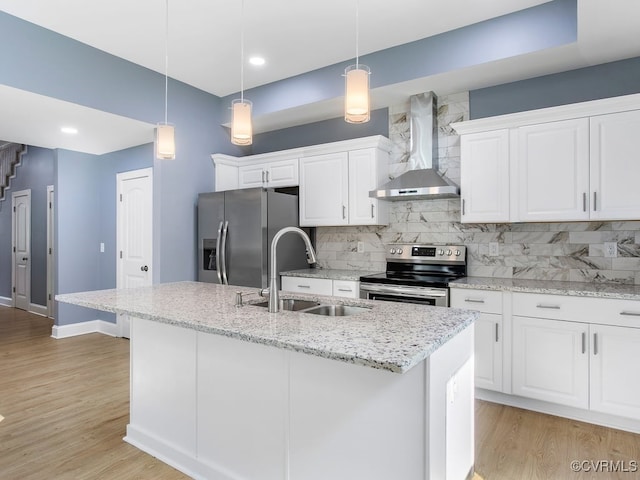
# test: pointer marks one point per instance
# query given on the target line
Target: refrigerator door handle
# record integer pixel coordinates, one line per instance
(218, 271)
(225, 232)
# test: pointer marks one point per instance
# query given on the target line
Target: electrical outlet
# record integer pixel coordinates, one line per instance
(610, 249)
(360, 247)
(494, 249)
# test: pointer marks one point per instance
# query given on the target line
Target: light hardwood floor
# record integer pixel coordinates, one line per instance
(65, 404)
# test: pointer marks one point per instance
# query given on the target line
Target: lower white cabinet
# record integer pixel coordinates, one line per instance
(550, 361)
(615, 370)
(321, 286)
(488, 348)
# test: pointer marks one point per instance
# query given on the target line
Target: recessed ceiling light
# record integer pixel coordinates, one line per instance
(257, 61)
(69, 130)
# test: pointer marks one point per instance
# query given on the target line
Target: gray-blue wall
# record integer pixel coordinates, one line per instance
(591, 83)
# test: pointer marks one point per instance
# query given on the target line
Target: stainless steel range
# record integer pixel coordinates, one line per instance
(417, 274)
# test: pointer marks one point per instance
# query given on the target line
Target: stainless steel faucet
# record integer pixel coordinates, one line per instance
(274, 298)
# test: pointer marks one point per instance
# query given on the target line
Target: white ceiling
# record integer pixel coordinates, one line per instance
(296, 36)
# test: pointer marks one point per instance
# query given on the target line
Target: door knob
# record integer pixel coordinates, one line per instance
(144, 269)
(24, 259)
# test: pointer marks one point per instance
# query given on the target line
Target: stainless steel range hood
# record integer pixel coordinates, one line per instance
(422, 181)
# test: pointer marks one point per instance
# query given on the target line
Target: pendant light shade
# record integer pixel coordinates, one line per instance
(356, 99)
(165, 142)
(165, 133)
(241, 129)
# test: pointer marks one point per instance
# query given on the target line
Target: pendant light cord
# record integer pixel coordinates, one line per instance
(166, 61)
(357, 30)
(242, 51)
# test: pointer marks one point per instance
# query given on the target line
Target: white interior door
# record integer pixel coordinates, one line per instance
(50, 259)
(21, 206)
(134, 249)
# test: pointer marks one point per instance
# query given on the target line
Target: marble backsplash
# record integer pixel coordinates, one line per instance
(542, 251)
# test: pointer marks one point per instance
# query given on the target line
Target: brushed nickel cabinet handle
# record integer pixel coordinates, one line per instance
(584, 202)
(474, 300)
(584, 342)
(595, 201)
(595, 343)
(497, 333)
(633, 314)
(344, 212)
(551, 307)
(463, 205)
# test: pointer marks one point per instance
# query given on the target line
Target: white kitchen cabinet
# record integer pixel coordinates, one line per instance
(552, 165)
(550, 361)
(615, 370)
(368, 169)
(488, 348)
(572, 162)
(269, 175)
(321, 286)
(484, 185)
(615, 166)
(334, 188)
(324, 189)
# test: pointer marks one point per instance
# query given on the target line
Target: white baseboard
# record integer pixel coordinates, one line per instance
(597, 418)
(6, 301)
(93, 326)
(38, 309)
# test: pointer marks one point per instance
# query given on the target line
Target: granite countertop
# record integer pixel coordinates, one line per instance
(330, 274)
(578, 289)
(390, 336)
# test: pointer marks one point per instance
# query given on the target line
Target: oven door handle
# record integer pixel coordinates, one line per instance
(419, 291)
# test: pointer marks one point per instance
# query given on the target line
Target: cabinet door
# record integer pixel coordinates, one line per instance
(550, 361)
(282, 174)
(364, 176)
(324, 190)
(484, 176)
(553, 171)
(488, 351)
(615, 370)
(251, 176)
(615, 166)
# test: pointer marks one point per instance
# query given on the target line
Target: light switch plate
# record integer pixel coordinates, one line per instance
(101, 247)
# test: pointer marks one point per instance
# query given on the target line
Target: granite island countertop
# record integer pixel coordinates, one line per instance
(328, 273)
(578, 289)
(389, 336)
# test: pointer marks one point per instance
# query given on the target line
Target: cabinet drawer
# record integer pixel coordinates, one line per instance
(485, 301)
(607, 311)
(346, 288)
(318, 286)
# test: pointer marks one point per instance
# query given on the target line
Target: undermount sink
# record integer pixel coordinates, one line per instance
(315, 308)
(291, 304)
(335, 310)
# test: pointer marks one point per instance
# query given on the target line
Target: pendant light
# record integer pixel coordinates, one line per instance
(241, 128)
(165, 133)
(356, 98)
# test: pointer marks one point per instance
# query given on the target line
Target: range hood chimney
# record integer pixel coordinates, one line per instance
(422, 180)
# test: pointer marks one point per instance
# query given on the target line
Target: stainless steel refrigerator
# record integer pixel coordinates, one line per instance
(235, 229)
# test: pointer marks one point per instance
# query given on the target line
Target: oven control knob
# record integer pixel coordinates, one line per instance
(399, 251)
(392, 251)
(457, 253)
(448, 253)
(440, 252)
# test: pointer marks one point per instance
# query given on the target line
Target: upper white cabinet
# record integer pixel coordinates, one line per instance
(552, 165)
(334, 178)
(485, 177)
(567, 163)
(334, 187)
(278, 169)
(615, 166)
(324, 195)
(272, 174)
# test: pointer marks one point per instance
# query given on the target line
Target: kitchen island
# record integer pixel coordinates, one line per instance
(227, 392)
